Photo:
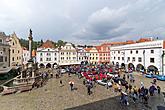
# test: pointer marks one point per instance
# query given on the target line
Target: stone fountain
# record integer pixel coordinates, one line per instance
(26, 79)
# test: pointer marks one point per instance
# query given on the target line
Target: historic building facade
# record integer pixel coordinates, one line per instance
(103, 53)
(25, 55)
(139, 56)
(15, 51)
(82, 55)
(68, 55)
(47, 55)
(93, 55)
(4, 52)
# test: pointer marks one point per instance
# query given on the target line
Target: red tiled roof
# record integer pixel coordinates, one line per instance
(88, 49)
(143, 40)
(47, 44)
(98, 48)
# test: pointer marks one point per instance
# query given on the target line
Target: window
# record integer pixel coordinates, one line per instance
(152, 60)
(13, 59)
(139, 59)
(1, 58)
(48, 49)
(118, 52)
(47, 59)
(131, 52)
(1, 41)
(152, 51)
(40, 54)
(136, 51)
(13, 50)
(122, 58)
(5, 59)
(93, 58)
(133, 58)
(13, 43)
(18, 51)
(48, 54)
(96, 58)
(114, 58)
(55, 58)
(100, 54)
(128, 59)
(4, 50)
(40, 59)
(55, 54)
(118, 58)
(17, 58)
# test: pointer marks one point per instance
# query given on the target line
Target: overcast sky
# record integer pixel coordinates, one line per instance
(84, 21)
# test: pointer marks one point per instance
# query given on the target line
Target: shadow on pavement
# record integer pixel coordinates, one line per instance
(111, 104)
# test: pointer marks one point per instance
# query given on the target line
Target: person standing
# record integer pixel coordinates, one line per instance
(71, 85)
(158, 88)
(60, 83)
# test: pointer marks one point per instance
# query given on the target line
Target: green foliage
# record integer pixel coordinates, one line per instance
(25, 43)
(36, 44)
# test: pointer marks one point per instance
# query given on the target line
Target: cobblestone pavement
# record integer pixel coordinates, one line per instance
(54, 97)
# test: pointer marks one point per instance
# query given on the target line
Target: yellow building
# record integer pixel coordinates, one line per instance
(15, 51)
(93, 55)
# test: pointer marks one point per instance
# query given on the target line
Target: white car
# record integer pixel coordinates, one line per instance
(63, 71)
(112, 75)
(104, 83)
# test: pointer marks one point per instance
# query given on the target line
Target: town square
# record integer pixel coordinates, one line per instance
(82, 55)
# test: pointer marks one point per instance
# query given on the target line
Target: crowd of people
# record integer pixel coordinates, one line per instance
(123, 84)
(128, 91)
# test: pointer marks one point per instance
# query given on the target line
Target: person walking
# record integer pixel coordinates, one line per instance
(71, 85)
(61, 83)
(158, 88)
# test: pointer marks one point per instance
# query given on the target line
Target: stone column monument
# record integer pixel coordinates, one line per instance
(30, 62)
(30, 43)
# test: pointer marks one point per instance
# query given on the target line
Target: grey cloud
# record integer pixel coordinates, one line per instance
(84, 21)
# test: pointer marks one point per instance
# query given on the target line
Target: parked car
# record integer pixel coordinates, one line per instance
(151, 75)
(104, 83)
(161, 77)
(63, 71)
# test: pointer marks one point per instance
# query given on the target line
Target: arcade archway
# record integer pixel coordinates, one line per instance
(42, 65)
(123, 65)
(152, 69)
(48, 65)
(139, 67)
(131, 66)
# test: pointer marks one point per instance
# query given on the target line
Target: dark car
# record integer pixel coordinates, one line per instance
(123, 82)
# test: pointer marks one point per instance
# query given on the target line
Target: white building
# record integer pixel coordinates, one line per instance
(25, 55)
(139, 56)
(47, 55)
(68, 55)
(82, 55)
